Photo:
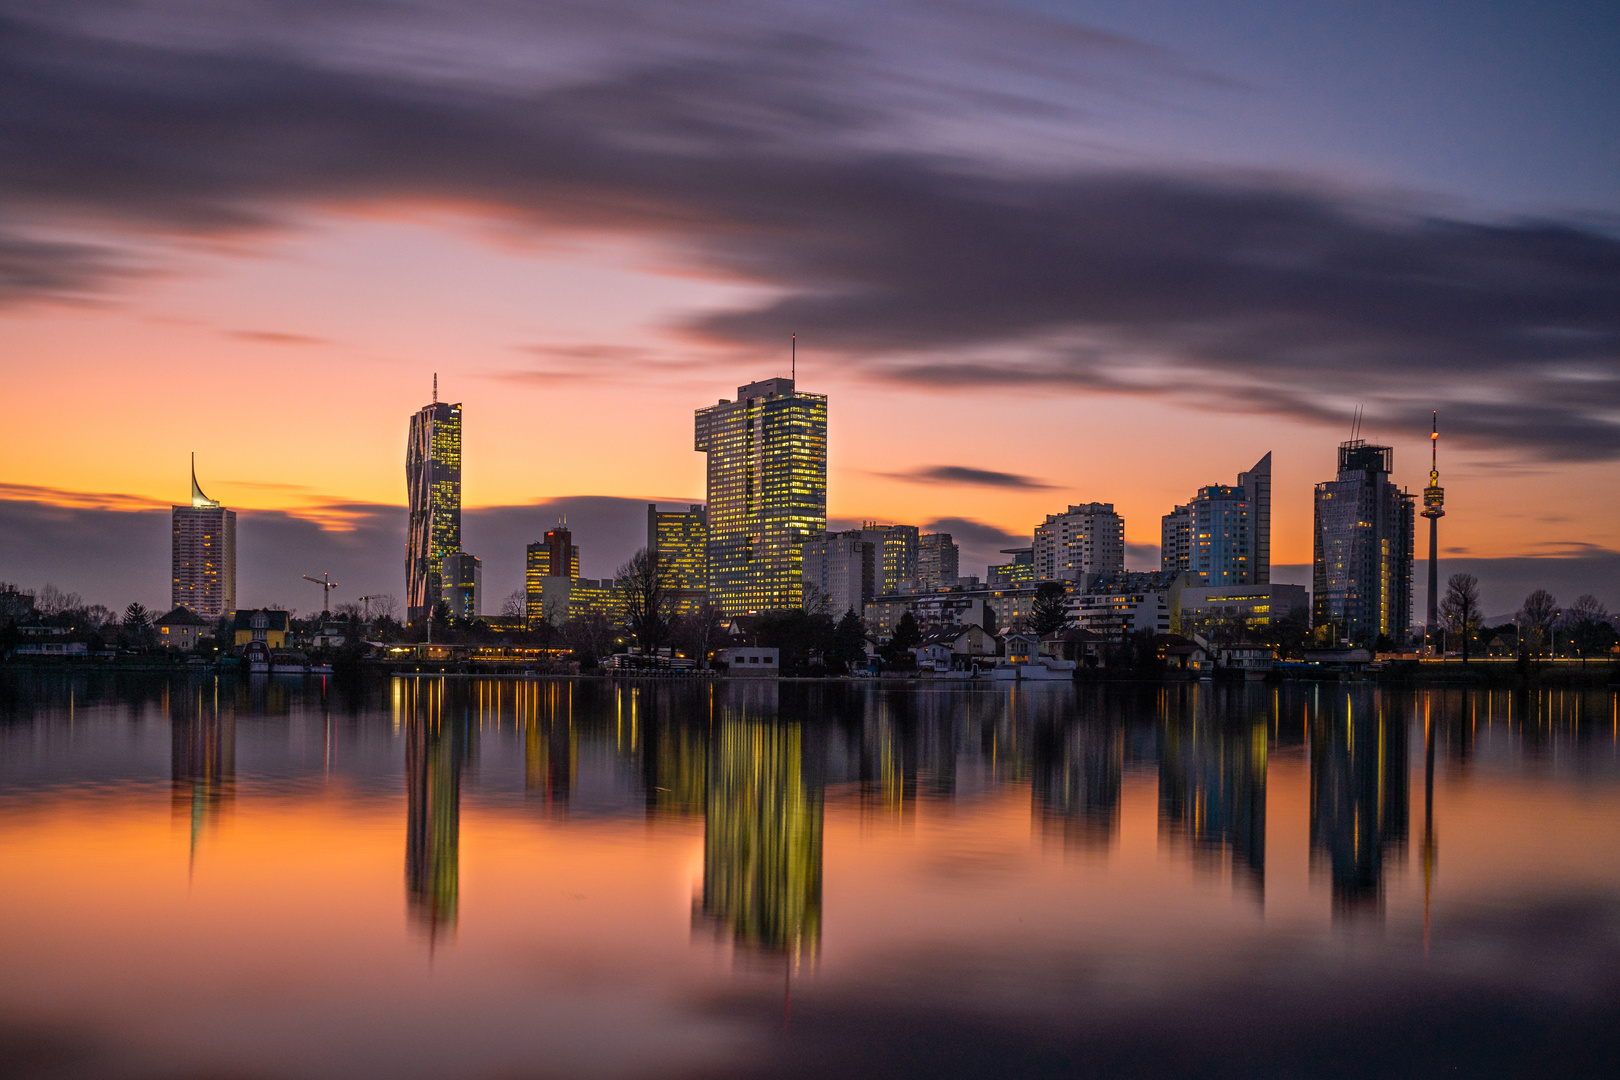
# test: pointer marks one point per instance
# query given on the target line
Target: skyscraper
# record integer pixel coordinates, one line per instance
(938, 561)
(1218, 540)
(767, 492)
(894, 551)
(1085, 539)
(433, 485)
(463, 577)
(1363, 538)
(204, 554)
(681, 539)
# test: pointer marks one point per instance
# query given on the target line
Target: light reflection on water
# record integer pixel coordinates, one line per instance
(805, 879)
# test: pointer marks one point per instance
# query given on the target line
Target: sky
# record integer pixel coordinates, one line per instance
(1035, 253)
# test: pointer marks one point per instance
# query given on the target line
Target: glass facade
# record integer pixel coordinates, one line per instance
(767, 492)
(1222, 536)
(433, 488)
(681, 539)
(1362, 585)
(463, 576)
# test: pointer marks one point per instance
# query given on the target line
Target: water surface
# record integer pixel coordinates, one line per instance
(279, 878)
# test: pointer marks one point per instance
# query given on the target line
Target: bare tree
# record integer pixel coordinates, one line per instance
(700, 633)
(1538, 614)
(1588, 623)
(53, 601)
(643, 588)
(1460, 608)
(516, 603)
(349, 610)
(386, 606)
(816, 600)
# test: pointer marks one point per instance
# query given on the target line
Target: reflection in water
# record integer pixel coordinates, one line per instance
(1358, 797)
(1212, 775)
(546, 711)
(1077, 777)
(202, 756)
(762, 828)
(435, 751)
(674, 756)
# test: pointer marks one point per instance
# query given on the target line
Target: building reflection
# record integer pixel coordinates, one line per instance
(436, 739)
(550, 749)
(202, 756)
(763, 828)
(1359, 814)
(1077, 777)
(1212, 775)
(674, 755)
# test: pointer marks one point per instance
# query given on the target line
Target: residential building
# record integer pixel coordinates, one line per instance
(1085, 539)
(998, 609)
(181, 628)
(1123, 603)
(681, 540)
(938, 561)
(894, 554)
(203, 554)
(463, 577)
(843, 567)
(1257, 605)
(261, 625)
(1224, 533)
(1019, 572)
(767, 492)
(1364, 527)
(433, 490)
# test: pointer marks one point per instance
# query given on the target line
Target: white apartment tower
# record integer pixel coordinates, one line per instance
(1085, 539)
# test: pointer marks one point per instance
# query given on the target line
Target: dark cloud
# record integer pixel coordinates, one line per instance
(277, 337)
(881, 193)
(962, 474)
(50, 269)
(979, 544)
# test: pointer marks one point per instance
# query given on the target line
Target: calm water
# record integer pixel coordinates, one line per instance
(498, 879)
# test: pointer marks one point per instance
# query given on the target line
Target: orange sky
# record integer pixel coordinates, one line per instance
(291, 367)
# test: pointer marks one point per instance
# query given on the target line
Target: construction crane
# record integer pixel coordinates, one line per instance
(327, 585)
(366, 600)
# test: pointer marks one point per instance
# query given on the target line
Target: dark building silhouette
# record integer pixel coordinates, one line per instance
(1362, 585)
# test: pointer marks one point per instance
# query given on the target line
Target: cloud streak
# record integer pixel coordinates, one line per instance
(963, 475)
(826, 158)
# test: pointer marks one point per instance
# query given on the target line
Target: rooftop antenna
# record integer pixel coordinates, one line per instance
(793, 367)
(435, 388)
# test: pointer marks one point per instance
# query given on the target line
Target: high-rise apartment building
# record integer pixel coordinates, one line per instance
(463, 585)
(1223, 535)
(767, 492)
(204, 554)
(433, 486)
(938, 561)
(681, 539)
(894, 549)
(843, 566)
(1364, 546)
(1085, 539)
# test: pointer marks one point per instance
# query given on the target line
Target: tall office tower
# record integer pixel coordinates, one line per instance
(1364, 530)
(1085, 539)
(844, 567)
(894, 547)
(433, 485)
(681, 538)
(1434, 508)
(204, 554)
(1222, 535)
(767, 487)
(938, 561)
(463, 588)
(1175, 540)
(1257, 482)
(554, 557)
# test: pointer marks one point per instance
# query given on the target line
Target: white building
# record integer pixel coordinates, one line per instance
(1085, 539)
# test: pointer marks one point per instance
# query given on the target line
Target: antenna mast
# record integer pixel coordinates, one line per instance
(793, 368)
(435, 388)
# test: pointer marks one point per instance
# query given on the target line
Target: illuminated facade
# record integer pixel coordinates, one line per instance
(463, 577)
(1017, 573)
(894, 555)
(681, 539)
(203, 555)
(554, 557)
(1085, 539)
(767, 492)
(1359, 800)
(435, 749)
(433, 487)
(1362, 584)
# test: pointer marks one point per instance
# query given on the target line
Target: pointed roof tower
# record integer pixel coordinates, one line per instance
(198, 499)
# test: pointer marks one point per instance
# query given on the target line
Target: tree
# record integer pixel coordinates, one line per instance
(592, 636)
(699, 634)
(135, 615)
(849, 641)
(1459, 611)
(1589, 629)
(386, 606)
(440, 617)
(816, 600)
(53, 601)
(516, 603)
(1049, 612)
(907, 636)
(643, 588)
(1537, 615)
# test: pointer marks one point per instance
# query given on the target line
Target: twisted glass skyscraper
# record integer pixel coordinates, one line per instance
(433, 483)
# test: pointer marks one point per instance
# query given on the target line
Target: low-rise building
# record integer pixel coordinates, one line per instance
(1116, 605)
(1200, 607)
(752, 661)
(261, 624)
(181, 628)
